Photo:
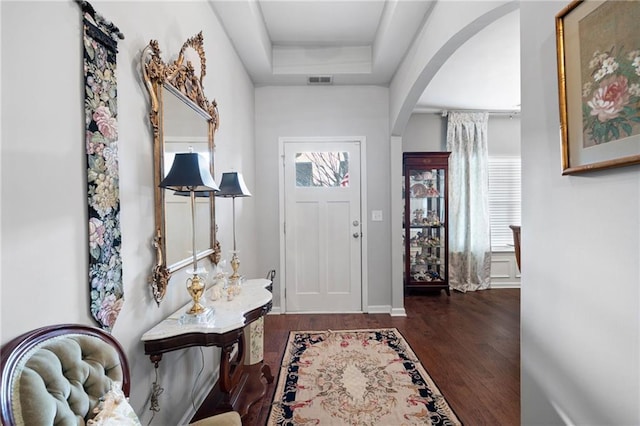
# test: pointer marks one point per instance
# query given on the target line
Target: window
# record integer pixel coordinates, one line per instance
(504, 199)
(322, 169)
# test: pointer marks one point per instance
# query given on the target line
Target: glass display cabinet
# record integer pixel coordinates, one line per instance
(425, 220)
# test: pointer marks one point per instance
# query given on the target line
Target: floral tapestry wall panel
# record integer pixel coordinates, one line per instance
(101, 139)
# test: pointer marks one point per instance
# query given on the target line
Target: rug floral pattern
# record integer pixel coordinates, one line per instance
(101, 139)
(356, 377)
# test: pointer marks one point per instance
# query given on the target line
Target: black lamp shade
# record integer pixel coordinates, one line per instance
(189, 172)
(198, 194)
(232, 185)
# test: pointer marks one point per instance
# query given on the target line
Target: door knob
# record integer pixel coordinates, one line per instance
(356, 235)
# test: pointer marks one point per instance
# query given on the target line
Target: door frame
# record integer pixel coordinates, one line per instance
(362, 140)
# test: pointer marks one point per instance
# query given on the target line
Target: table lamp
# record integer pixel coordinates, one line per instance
(232, 185)
(190, 174)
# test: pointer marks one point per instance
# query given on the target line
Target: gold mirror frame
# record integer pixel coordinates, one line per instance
(181, 79)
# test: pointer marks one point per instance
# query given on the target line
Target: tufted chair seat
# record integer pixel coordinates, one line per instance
(56, 375)
(66, 377)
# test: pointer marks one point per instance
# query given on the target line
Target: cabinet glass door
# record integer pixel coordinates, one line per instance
(426, 242)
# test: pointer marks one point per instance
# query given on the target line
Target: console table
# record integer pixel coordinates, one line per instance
(239, 385)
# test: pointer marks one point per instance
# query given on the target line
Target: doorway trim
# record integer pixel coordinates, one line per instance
(363, 211)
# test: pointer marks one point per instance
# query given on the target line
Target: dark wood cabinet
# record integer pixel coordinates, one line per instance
(426, 235)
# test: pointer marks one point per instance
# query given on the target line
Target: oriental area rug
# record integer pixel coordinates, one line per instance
(355, 377)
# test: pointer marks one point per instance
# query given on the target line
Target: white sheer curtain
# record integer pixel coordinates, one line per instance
(469, 229)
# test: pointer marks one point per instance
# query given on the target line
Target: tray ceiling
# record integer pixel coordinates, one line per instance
(364, 41)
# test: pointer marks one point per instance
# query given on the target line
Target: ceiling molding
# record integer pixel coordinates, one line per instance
(322, 60)
(244, 24)
(366, 42)
(401, 23)
(370, 59)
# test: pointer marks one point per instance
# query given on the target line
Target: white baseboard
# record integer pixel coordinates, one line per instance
(386, 309)
(378, 309)
(512, 284)
(398, 312)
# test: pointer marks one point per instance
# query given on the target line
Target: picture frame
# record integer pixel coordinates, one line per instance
(598, 53)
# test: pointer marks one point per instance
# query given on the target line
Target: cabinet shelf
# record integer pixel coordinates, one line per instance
(425, 212)
(412, 226)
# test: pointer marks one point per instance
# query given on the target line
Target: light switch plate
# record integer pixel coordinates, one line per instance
(376, 215)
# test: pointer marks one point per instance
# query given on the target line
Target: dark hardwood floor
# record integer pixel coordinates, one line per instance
(468, 343)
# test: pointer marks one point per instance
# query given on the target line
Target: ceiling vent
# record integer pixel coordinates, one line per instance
(320, 79)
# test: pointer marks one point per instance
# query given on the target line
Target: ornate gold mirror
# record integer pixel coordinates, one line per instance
(183, 120)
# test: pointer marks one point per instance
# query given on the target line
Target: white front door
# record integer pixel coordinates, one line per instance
(323, 230)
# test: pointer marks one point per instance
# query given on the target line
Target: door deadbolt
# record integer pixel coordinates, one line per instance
(356, 223)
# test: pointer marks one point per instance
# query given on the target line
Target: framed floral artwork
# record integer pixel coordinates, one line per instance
(598, 47)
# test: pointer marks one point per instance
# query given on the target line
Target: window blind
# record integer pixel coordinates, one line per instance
(504, 199)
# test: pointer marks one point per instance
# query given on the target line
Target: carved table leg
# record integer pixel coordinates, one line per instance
(252, 387)
(225, 369)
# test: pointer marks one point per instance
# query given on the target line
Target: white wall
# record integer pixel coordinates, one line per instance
(44, 237)
(504, 135)
(425, 132)
(325, 111)
(581, 249)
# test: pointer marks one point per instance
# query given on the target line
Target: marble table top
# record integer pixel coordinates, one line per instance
(228, 314)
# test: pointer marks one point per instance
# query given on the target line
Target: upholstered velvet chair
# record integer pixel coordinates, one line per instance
(70, 374)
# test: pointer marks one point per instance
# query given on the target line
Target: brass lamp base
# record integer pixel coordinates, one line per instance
(196, 309)
(205, 317)
(195, 287)
(197, 313)
(235, 266)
